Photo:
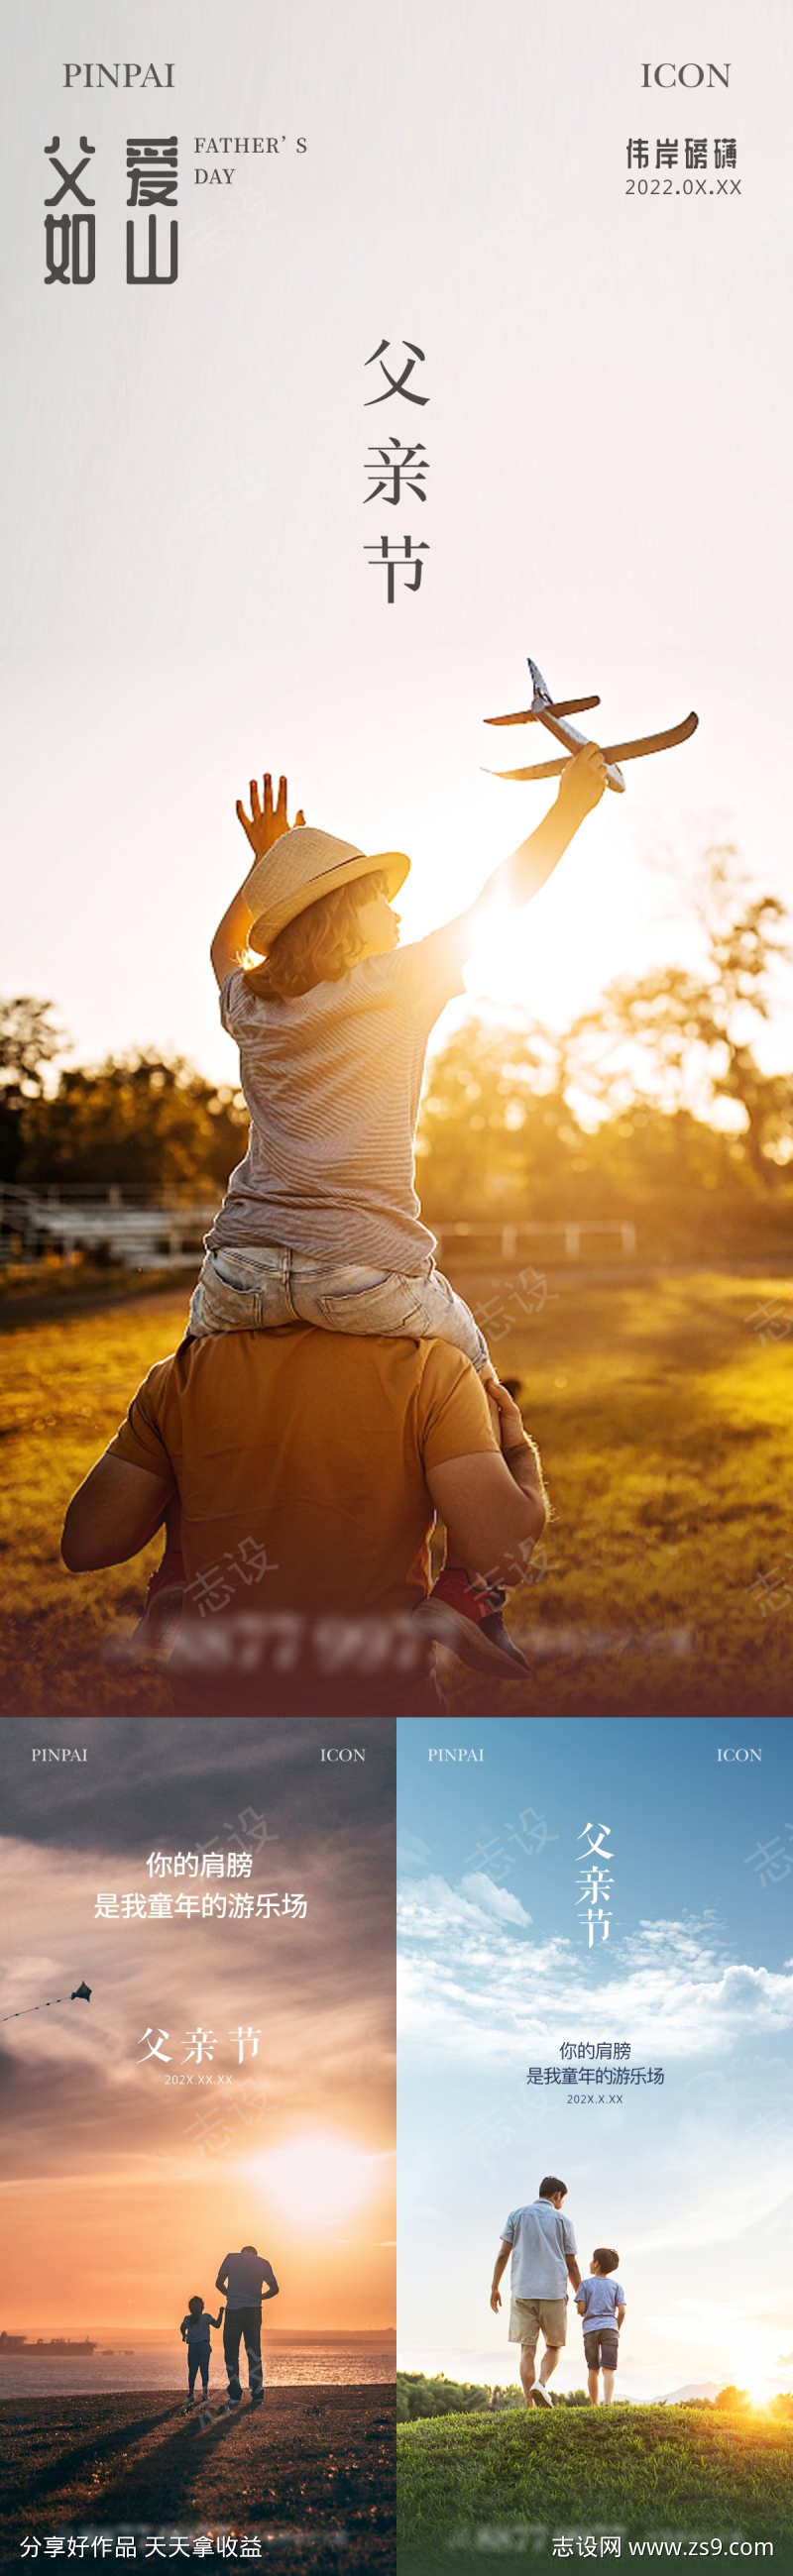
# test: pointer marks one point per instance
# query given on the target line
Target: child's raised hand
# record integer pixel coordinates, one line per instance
(582, 783)
(266, 822)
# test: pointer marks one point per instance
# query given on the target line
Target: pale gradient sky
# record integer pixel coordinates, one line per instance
(187, 595)
(690, 2180)
(115, 2207)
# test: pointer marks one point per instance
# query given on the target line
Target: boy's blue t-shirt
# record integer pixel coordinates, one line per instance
(598, 2299)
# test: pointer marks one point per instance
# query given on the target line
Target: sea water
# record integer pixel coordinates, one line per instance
(323, 2361)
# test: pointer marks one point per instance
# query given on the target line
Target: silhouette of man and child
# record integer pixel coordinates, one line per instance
(246, 2280)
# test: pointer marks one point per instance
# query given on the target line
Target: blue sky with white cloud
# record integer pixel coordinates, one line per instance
(690, 2179)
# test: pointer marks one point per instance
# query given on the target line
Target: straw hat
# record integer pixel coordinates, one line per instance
(300, 867)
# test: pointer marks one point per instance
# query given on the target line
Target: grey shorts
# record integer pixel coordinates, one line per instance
(601, 2348)
(246, 1288)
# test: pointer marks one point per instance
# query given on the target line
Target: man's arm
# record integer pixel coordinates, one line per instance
(494, 1506)
(568, 2236)
(222, 2280)
(262, 827)
(113, 1513)
(272, 2293)
(500, 2265)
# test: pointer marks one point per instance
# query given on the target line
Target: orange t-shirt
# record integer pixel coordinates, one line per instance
(299, 1460)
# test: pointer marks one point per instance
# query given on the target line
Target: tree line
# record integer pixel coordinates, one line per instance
(417, 2396)
(653, 1105)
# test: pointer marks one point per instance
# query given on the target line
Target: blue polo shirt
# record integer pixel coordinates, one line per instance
(543, 2243)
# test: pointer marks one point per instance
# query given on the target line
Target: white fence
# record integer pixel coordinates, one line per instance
(508, 1244)
(140, 1231)
(114, 1226)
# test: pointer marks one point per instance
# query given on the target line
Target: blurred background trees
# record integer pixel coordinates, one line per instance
(142, 1120)
(654, 1105)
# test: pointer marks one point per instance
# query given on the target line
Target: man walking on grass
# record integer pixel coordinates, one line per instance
(543, 2249)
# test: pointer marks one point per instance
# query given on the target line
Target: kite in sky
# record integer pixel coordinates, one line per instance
(82, 1994)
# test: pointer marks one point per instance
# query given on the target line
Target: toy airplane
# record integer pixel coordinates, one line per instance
(553, 712)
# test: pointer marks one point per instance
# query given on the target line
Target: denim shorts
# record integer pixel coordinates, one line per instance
(252, 1288)
(601, 2348)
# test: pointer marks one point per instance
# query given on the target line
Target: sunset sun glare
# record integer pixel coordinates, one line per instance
(320, 2175)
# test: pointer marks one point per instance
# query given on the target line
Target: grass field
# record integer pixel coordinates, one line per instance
(662, 1413)
(476, 2492)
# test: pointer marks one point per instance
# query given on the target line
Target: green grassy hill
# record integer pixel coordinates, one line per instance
(477, 2491)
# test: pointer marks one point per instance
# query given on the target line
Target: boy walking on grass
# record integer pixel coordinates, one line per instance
(601, 2307)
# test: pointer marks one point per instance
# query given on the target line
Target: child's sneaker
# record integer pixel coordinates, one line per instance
(162, 1607)
(468, 1618)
